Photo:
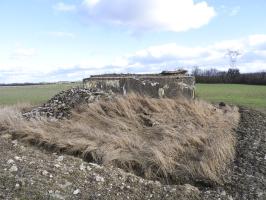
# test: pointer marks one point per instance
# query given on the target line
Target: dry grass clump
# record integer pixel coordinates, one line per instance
(173, 140)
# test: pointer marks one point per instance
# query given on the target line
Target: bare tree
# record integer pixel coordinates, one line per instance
(196, 71)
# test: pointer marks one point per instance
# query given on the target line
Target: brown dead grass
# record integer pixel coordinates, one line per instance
(172, 140)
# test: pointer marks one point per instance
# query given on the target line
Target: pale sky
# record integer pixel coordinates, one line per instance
(53, 40)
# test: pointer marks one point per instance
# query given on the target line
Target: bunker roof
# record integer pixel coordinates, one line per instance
(177, 73)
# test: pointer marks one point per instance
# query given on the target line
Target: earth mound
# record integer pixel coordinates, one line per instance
(177, 149)
(175, 141)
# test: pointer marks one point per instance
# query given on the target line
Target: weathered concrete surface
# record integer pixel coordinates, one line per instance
(154, 85)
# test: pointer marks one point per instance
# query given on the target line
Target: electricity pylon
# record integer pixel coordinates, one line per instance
(232, 54)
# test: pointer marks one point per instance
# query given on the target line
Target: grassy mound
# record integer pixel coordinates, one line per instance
(170, 140)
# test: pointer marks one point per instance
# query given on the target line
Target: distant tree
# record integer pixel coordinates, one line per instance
(213, 72)
(196, 71)
(233, 75)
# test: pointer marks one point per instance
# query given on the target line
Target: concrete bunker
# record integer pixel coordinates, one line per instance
(168, 84)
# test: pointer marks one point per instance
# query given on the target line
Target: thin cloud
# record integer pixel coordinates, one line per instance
(23, 53)
(229, 11)
(61, 34)
(155, 15)
(63, 7)
(171, 56)
(234, 11)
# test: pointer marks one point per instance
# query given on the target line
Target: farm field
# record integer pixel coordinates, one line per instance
(34, 95)
(246, 95)
(253, 96)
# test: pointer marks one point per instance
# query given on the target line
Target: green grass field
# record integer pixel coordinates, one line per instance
(246, 95)
(34, 95)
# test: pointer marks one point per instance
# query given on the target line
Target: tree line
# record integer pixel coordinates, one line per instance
(231, 76)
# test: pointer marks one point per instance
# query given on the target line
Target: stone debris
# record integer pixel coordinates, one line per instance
(57, 195)
(59, 107)
(10, 161)
(18, 158)
(82, 167)
(15, 143)
(96, 165)
(14, 168)
(99, 178)
(64, 186)
(44, 172)
(57, 165)
(60, 158)
(77, 191)
(176, 72)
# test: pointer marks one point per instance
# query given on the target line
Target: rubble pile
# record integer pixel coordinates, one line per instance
(60, 105)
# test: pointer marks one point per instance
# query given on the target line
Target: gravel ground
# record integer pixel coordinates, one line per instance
(27, 172)
(247, 180)
(30, 173)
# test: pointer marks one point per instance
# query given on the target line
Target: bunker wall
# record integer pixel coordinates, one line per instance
(154, 86)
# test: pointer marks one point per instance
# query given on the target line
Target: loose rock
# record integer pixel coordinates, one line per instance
(14, 168)
(59, 107)
(77, 191)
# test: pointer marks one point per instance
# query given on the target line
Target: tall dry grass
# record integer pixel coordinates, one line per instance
(172, 140)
